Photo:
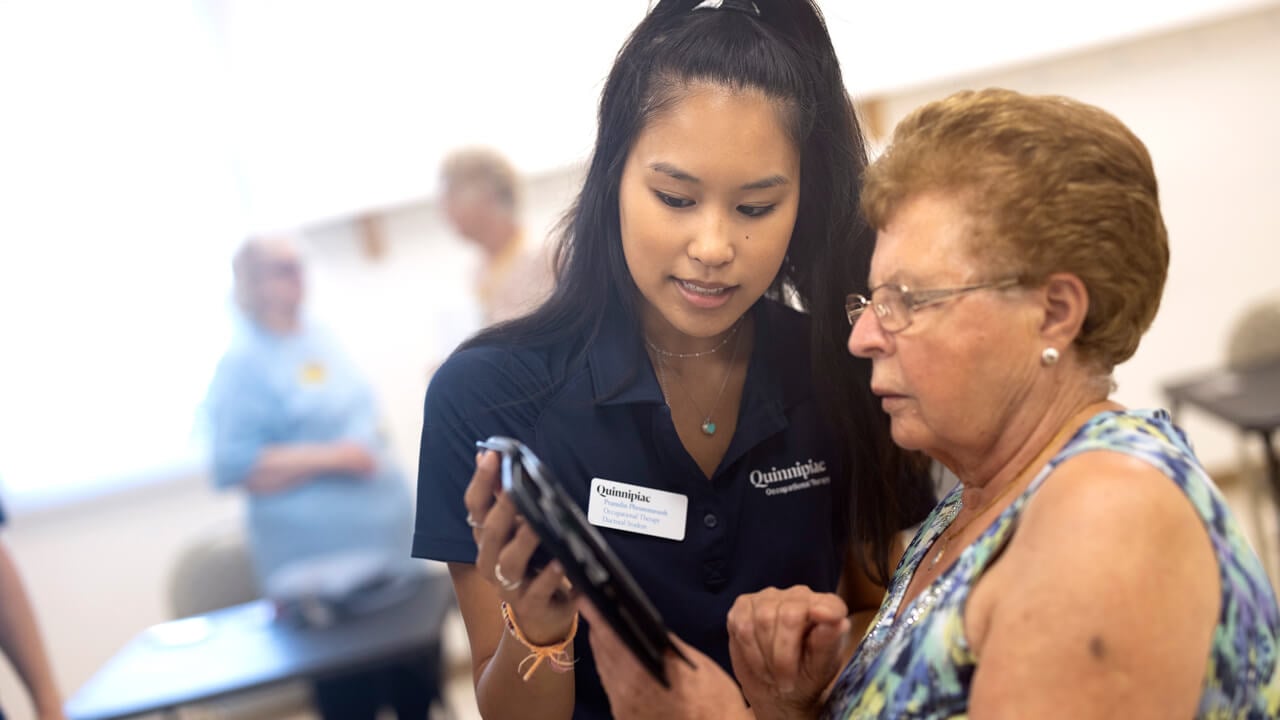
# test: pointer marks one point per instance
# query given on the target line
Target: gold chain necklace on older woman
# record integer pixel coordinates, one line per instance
(947, 536)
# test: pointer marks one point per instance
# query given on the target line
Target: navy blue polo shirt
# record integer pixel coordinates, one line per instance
(771, 515)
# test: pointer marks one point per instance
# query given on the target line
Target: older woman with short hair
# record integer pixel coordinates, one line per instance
(1085, 566)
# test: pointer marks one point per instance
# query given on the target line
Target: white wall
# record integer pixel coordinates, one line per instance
(1206, 101)
(280, 75)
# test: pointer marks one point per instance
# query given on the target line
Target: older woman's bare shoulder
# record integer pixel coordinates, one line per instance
(1109, 559)
(1098, 513)
(1111, 493)
(1104, 514)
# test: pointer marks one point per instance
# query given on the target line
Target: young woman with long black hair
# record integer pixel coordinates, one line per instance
(669, 362)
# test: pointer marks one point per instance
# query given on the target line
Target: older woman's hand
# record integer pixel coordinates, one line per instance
(786, 648)
(541, 604)
(702, 691)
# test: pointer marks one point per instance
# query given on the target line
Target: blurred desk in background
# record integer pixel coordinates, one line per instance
(240, 648)
(1247, 398)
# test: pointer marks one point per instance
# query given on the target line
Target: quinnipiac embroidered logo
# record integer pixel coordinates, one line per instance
(799, 476)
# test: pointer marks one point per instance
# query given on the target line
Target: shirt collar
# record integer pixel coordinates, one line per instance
(620, 373)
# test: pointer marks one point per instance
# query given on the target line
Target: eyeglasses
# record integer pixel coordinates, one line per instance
(895, 304)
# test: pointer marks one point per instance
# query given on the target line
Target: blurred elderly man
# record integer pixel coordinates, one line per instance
(297, 428)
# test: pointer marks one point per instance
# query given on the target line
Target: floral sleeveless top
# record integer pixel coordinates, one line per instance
(915, 662)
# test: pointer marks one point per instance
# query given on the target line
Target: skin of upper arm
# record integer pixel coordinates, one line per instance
(1104, 603)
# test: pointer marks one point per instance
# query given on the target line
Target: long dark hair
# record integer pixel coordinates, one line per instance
(785, 52)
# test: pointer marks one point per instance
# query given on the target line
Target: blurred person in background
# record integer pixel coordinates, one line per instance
(20, 639)
(482, 201)
(297, 428)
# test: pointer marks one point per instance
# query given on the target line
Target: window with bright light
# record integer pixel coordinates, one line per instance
(141, 139)
(119, 212)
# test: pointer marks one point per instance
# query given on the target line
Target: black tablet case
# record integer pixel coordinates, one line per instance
(588, 562)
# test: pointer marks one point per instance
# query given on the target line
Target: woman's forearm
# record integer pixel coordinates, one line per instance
(502, 693)
(496, 656)
(20, 639)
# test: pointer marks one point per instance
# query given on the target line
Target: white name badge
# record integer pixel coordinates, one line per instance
(637, 509)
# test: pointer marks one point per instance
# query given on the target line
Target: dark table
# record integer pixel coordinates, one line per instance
(1247, 398)
(241, 648)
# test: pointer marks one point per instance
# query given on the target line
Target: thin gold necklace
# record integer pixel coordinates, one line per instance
(733, 331)
(708, 427)
(948, 535)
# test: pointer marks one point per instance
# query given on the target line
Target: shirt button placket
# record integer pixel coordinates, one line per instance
(714, 568)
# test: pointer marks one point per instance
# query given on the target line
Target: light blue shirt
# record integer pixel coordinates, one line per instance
(300, 388)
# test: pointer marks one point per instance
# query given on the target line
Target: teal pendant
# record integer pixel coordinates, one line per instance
(709, 428)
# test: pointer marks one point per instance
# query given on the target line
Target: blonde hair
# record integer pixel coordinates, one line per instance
(1051, 185)
(483, 167)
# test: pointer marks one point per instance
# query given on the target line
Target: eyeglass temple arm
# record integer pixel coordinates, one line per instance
(931, 296)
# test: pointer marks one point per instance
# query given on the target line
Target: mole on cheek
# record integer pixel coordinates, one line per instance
(1097, 648)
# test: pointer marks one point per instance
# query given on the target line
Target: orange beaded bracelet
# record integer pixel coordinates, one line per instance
(558, 656)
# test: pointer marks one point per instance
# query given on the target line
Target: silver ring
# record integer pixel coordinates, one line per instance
(472, 522)
(506, 584)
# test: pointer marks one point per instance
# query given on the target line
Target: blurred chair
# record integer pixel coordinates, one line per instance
(1255, 337)
(1255, 340)
(212, 572)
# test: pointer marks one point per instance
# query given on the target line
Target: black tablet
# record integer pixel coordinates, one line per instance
(588, 562)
